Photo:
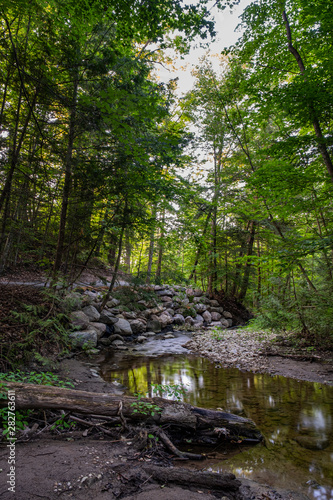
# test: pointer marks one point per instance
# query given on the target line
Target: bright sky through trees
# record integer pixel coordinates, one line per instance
(226, 24)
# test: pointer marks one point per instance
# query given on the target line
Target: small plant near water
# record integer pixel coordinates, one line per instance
(173, 391)
(144, 407)
(217, 334)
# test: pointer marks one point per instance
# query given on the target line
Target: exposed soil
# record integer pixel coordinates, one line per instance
(82, 465)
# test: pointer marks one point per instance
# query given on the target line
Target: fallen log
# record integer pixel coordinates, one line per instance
(150, 410)
(211, 480)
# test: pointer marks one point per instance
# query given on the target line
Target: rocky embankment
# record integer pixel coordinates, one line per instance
(138, 313)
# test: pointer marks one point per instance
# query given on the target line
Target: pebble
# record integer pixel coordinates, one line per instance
(236, 348)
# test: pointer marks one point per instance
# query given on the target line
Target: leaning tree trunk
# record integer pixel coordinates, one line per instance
(209, 424)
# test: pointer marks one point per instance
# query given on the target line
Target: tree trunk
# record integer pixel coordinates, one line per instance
(116, 269)
(151, 247)
(209, 423)
(199, 250)
(68, 181)
(160, 249)
(247, 267)
(313, 114)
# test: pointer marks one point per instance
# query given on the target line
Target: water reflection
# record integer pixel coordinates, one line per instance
(295, 417)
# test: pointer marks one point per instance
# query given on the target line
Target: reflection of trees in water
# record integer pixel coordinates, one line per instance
(281, 407)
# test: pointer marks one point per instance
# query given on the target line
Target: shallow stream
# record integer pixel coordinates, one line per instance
(296, 418)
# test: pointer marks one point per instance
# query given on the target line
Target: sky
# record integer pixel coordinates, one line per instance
(225, 25)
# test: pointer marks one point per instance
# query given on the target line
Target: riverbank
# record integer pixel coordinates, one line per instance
(263, 352)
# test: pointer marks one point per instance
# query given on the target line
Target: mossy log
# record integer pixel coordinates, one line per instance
(151, 410)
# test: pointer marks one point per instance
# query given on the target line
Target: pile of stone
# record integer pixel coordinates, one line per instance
(168, 308)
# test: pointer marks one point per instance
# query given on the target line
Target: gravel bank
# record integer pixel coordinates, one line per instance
(257, 352)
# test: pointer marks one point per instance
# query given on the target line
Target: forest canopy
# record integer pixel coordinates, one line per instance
(96, 152)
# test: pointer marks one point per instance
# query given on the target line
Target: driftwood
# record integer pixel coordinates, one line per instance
(211, 480)
(175, 414)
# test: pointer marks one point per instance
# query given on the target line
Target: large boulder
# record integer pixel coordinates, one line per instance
(189, 320)
(92, 313)
(79, 319)
(207, 317)
(129, 314)
(214, 303)
(166, 298)
(81, 338)
(178, 319)
(198, 319)
(123, 327)
(113, 303)
(165, 319)
(154, 325)
(165, 293)
(216, 316)
(224, 323)
(108, 318)
(200, 308)
(99, 327)
(194, 292)
(137, 326)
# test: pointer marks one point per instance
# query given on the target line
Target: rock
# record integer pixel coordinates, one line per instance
(214, 303)
(150, 334)
(207, 317)
(99, 327)
(92, 313)
(199, 318)
(229, 321)
(108, 318)
(113, 303)
(164, 319)
(154, 325)
(169, 336)
(166, 298)
(165, 293)
(105, 342)
(78, 318)
(216, 309)
(137, 326)
(178, 319)
(117, 342)
(156, 310)
(114, 310)
(80, 338)
(129, 315)
(123, 327)
(227, 314)
(200, 308)
(196, 292)
(224, 323)
(216, 316)
(189, 320)
(141, 338)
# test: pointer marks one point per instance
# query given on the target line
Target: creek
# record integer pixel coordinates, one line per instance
(296, 418)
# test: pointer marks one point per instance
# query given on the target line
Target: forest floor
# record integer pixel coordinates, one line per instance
(79, 465)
